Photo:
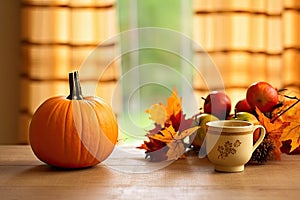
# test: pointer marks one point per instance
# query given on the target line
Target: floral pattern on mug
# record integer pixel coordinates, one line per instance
(228, 148)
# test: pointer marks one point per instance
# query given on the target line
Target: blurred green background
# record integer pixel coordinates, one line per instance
(150, 74)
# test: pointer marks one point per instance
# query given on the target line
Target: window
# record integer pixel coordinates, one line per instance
(247, 40)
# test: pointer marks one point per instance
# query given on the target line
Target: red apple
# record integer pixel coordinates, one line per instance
(243, 106)
(262, 95)
(218, 104)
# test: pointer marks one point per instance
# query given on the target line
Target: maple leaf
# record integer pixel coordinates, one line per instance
(155, 150)
(158, 114)
(152, 145)
(165, 135)
(174, 120)
(169, 134)
(171, 114)
(176, 150)
(292, 132)
(186, 133)
(177, 146)
(179, 122)
(289, 112)
(174, 141)
(175, 116)
(167, 138)
(274, 130)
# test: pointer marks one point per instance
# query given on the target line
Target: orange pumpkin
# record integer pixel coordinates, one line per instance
(73, 132)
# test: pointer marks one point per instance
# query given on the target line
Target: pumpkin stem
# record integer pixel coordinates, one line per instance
(75, 88)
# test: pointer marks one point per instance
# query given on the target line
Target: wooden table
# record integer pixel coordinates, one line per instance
(22, 176)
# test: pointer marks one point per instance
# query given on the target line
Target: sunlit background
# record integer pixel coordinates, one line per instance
(41, 41)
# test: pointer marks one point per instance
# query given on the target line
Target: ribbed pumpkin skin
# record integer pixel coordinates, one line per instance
(73, 133)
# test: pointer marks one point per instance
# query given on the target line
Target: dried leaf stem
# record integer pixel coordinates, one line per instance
(281, 113)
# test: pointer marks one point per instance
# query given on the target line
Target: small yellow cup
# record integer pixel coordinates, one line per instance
(229, 143)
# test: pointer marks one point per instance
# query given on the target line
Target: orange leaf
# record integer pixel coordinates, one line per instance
(173, 104)
(171, 129)
(292, 132)
(290, 113)
(174, 140)
(274, 130)
(165, 135)
(291, 108)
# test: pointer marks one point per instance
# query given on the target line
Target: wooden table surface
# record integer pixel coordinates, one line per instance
(23, 176)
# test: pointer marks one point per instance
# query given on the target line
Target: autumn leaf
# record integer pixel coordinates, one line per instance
(165, 135)
(171, 128)
(171, 114)
(274, 130)
(289, 112)
(175, 116)
(176, 150)
(152, 145)
(158, 114)
(155, 150)
(173, 140)
(168, 134)
(186, 133)
(174, 120)
(292, 132)
(173, 104)
(177, 146)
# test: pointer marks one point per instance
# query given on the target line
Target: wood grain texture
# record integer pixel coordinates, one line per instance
(22, 176)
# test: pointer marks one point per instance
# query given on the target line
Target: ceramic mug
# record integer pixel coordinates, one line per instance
(229, 143)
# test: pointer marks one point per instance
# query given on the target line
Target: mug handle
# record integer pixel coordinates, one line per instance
(261, 136)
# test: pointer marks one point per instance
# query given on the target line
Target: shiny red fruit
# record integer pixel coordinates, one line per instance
(217, 103)
(263, 96)
(243, 106)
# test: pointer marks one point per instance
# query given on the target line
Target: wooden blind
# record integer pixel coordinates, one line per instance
(59, 36)
(248, 41)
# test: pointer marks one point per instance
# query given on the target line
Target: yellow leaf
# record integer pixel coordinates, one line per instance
(158, 114)
(292, 132)
(174, 140)
(289, 114)
(292, 113)
(165, 135)
(274, 130)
